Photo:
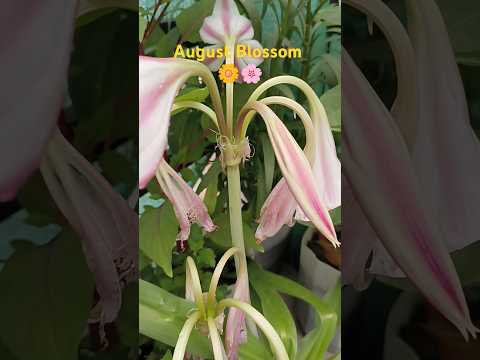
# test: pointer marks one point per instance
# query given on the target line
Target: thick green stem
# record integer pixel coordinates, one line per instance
(236, 224)
(236, 229)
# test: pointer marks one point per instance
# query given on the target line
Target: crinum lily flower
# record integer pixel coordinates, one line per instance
(188, 206)
(396, 210)
(446, 151)
(427, 263)
(209, 313)
(406, 100)
(280, 207)
(160, 81)
(107, 227)
(227, 28)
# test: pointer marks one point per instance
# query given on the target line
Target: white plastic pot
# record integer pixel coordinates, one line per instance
(319, 277)
(274, 247)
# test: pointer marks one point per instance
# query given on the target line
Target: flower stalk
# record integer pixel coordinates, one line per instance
(229, 87)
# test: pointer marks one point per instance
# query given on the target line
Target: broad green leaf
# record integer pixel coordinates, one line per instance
(326, 70)
(331, 100)
(206, 258)
(277, 313)
(158, 232)
(191, 19)
(150, 43)
(162, 315)
(186, 139)
(254, 349)
(56, 277)
(167, 43)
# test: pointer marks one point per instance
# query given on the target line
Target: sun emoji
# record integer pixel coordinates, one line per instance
(228, 73)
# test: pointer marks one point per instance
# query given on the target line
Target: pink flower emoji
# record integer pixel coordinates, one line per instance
(251, 74)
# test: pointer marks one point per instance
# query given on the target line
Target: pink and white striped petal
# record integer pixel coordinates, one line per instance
(35, 56)
(243, 62)
(225, 22)
(106, 225)
(445, 150)
(376, 157)
(326, 166)
(297, 173)
(214, 63)
(188, 206)
(278, 210)
(227, 26)
(159, 82)
(235, 329)
(320, 150)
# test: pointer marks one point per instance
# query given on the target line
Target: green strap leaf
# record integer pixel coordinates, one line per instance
(277, 313)
(315, 344)
(162, 315)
